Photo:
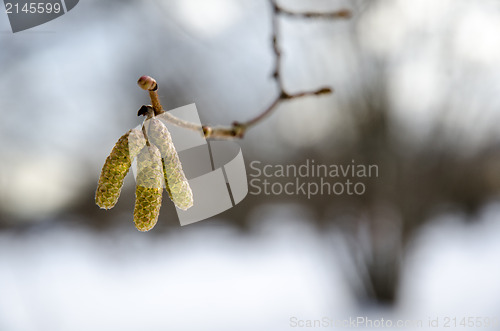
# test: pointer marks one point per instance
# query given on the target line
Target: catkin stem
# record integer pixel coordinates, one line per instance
(155, 102)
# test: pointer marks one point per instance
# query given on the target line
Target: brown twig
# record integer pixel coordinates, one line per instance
(238, 129)
(343, 13)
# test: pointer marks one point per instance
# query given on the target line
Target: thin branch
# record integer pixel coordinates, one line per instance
(276, 46)
(238, 129)
(339, 14)
(264, 114)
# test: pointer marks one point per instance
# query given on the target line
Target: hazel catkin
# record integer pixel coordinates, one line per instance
(176, 182)
(148, 193)
(116, 167)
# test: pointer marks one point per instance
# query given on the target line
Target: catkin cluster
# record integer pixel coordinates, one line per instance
(157, 164)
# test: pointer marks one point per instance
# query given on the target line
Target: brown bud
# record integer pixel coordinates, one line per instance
(147, 83)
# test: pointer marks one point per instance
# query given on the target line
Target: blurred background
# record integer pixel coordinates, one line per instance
(416, 93)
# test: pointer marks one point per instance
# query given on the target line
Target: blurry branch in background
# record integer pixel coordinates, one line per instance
(343, 13)
(238, 129)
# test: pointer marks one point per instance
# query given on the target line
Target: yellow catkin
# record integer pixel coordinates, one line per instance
(116, 168)
(177, 184)
(149, 188)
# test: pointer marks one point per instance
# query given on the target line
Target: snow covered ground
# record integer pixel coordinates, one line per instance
(211, 277)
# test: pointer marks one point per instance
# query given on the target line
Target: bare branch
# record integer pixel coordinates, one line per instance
(238, 129)
(339, 14)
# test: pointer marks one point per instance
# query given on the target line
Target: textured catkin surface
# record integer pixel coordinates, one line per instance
(166, 180)
(116, 168)
(177, 184)
(148, 193)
